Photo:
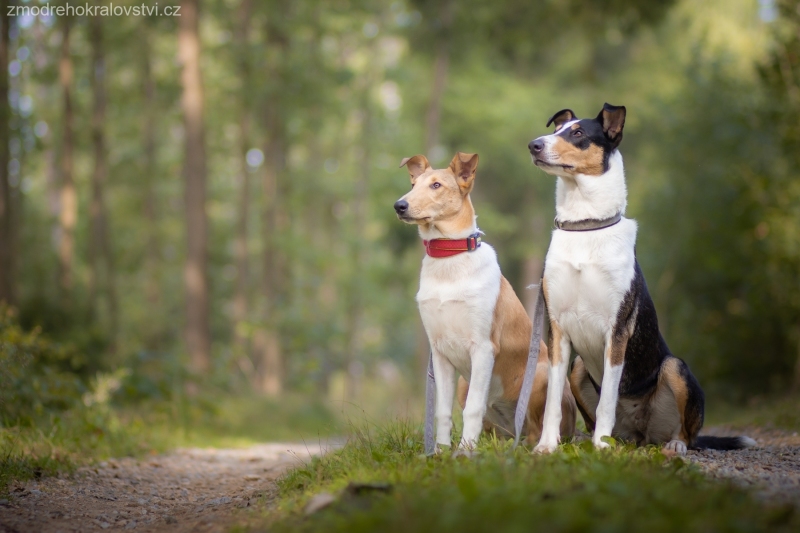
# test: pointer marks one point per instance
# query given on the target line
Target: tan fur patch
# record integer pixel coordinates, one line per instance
(616, 352)
(511, 338)
(670, 372)
(583, 391)
(589, 161)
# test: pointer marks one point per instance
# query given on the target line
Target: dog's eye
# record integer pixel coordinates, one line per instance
(577, 133)
(436, 185)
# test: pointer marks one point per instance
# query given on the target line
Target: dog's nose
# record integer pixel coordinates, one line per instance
(536, 146)
(401, 206)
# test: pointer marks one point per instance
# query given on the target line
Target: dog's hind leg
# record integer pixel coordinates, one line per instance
(676, 408)
(586, 396)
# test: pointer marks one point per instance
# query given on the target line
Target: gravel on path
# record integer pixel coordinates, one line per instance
(771, 469)
(185, 490)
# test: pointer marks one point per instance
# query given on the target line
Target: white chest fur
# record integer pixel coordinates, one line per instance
(457, 297)
(588, 274)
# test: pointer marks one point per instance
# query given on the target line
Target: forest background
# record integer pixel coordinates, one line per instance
(197, 210)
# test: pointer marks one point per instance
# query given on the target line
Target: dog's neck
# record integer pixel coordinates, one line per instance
(584, 197)
(460, 226)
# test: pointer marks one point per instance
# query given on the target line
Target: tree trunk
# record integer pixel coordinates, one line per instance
(197, 332)
(241, 302)
(101, 260)
(355, 364)
(533, 264)
(433, 115)
(433, 119)
(795, 387)
(7, 286)
(266, 342)
(359, 205)
(68, 208)
(152, 261)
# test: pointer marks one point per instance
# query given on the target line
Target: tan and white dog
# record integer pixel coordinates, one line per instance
(475, 323)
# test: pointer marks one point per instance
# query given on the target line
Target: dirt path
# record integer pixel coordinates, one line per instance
(200, 489)
(771, 469)
(186, 490)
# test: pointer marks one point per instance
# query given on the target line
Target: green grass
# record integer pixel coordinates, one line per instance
(60, 442)
(575, 489)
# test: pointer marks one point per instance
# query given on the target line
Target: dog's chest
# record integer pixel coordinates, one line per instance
(587, 276)
(457, 298)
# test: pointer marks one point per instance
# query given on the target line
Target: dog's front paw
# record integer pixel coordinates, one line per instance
(439, 449)
(545, 448)
(600, 444)
(465, 452)
(675, 447)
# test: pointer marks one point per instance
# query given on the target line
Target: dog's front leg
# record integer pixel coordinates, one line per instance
(613, 360)
(560, 349)
(477, 394)
(445, 374)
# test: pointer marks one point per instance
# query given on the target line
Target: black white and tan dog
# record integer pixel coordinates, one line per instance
(476, 325)
(625, 380)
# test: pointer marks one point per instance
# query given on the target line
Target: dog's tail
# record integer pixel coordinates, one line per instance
(723, 443)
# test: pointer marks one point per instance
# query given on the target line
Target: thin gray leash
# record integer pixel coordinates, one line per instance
(430, 399)
(530, 368)
(527, 380)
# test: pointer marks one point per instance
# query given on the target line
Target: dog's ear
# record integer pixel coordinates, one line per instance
(416, 166)
(613, 120)
(464, 167)
(561, 118)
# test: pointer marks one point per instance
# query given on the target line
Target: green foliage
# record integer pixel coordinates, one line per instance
(52, 421)
(575, 489)
(36, 375)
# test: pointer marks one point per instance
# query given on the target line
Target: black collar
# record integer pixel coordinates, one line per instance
(590, 224)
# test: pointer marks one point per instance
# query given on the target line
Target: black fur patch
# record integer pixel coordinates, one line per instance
(589, 132)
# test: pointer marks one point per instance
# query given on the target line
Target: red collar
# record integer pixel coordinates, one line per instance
(449, 247)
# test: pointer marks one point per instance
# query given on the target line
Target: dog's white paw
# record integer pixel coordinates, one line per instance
(675, 447)
(440, 449)
(600, 444)
(465, 452)
(545, 448)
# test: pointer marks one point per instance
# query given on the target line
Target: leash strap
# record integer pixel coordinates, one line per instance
(430, 400)
(530, 368)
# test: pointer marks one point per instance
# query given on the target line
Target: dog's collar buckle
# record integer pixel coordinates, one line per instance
(589, 224)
